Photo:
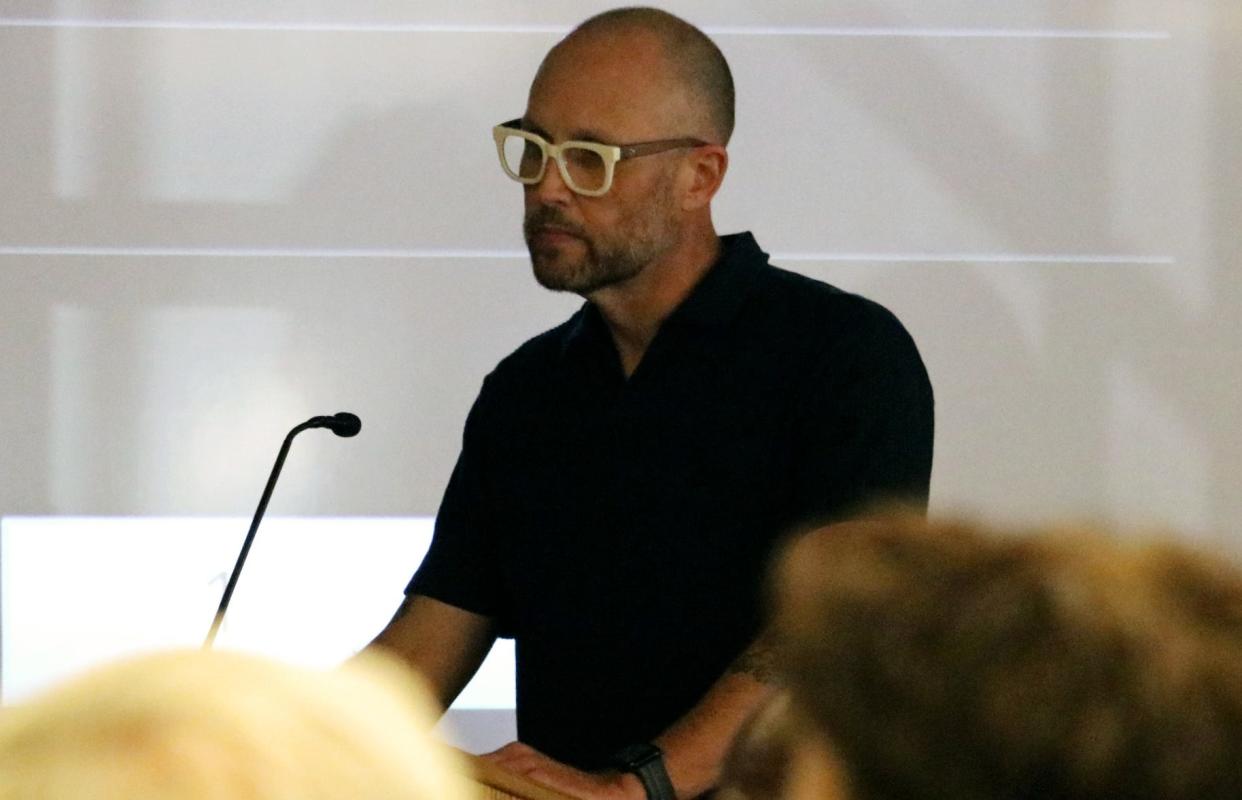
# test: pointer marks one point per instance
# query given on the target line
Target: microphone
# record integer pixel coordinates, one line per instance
(342, 423)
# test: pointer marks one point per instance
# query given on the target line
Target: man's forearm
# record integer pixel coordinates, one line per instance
(695, 746)
(443, 643)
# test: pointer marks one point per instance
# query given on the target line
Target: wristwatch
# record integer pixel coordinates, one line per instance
(647, 762)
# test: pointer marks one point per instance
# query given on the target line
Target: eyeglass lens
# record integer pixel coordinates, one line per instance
(586, 167)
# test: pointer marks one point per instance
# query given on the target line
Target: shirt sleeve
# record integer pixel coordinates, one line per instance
(461, 567)
(866, 423)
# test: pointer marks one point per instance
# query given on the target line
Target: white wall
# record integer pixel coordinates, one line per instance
(219, 219)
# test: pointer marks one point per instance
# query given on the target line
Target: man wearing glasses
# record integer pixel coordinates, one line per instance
(624, 476)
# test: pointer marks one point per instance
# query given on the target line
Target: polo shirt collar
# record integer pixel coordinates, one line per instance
(715, 301)
(586, 331)
(720, 294)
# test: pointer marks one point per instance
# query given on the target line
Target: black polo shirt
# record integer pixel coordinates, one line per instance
(619, 529)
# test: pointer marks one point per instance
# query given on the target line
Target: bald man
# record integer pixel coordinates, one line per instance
(624, 476)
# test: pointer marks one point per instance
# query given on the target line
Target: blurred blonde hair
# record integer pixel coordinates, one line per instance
(217, 725)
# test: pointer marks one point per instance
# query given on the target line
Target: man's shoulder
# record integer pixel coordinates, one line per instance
(537, 356)
(801, 302)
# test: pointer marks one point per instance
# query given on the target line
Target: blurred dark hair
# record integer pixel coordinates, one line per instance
(944, 660)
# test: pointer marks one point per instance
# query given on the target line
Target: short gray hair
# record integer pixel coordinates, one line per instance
(702, 68)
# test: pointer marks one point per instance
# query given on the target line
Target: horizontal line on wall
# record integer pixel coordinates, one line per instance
(941, 33)
(979, 258)
(260, 252)
(451, 253)
(725, 30)
(310, 27)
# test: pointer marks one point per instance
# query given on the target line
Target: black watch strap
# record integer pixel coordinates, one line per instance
(647, 762)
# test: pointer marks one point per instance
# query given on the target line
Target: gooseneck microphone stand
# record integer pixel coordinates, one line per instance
(342, 424)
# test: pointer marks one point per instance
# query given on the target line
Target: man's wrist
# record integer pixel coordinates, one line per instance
(631, 785)
(645, 763)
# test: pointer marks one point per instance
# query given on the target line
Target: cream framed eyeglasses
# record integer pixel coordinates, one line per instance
(586, 167)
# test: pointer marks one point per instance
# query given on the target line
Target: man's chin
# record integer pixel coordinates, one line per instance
(555, 274)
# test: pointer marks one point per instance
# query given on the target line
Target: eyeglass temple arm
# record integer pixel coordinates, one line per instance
(650, 148)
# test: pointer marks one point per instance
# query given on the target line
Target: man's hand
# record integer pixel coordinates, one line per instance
(524, 760)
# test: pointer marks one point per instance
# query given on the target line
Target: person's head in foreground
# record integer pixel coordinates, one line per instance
(202, 725)
(941, 660)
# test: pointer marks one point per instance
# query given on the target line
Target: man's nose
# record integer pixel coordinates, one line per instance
(551, 188)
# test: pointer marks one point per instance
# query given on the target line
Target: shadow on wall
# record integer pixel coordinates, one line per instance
(1124, 404)
(1028, 426)
(409, 338)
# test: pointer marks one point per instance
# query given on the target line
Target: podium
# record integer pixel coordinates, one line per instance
(500, 784)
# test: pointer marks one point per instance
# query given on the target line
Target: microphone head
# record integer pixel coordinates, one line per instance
(344, 424)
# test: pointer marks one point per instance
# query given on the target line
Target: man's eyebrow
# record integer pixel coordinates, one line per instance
(587, 135)
(533, 127)
(580, 135)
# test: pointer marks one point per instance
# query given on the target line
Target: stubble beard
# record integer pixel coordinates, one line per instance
(602, 260)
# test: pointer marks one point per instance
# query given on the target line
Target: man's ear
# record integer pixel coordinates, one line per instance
(703, 173)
